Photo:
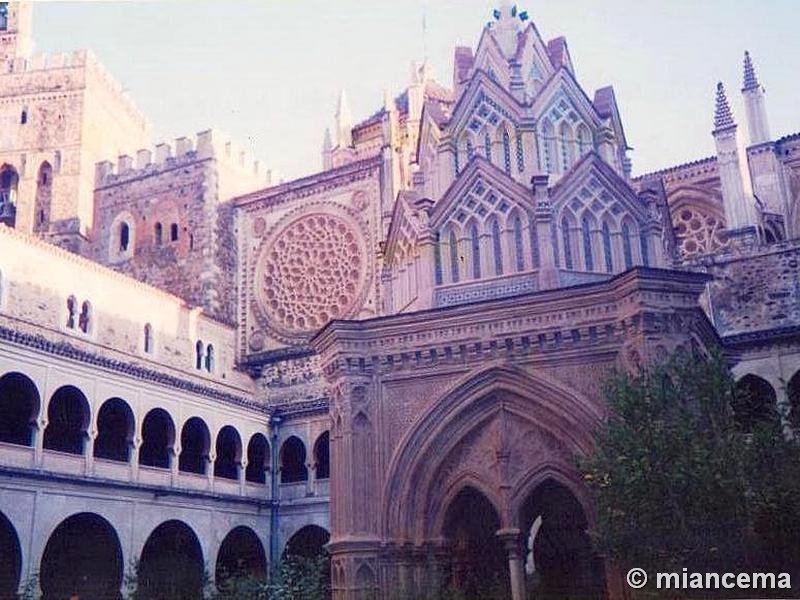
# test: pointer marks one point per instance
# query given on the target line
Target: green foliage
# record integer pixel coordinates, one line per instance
(679, 484)
(293, 579)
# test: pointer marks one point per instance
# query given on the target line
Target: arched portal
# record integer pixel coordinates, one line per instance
(10, 559)
(559, 559)
(195, 444)
(241, 554)
(83, 557)
(19, 408)
(158, 439)
(171, 565)
(478, 564)
(754, 403)
(229, 453)
(307, 542)
(67, 421)
(114, 430)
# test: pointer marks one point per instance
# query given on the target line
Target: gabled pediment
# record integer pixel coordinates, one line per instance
(404, 227)
(489, 57)
(480, 190)
(593, 184)
(562, 92)
(483, 102)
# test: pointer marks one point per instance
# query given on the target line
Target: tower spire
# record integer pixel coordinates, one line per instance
(723, 118)
(344, 122)
(750, 79)
(754, 104)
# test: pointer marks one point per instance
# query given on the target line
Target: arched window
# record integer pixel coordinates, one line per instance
(322, 456)
(210, 358)
(229, 453)
(607, 248)
(198, 350)
(72, 308)
(565, 238)
(258, 459)
(23, 117)
(159, 233)
(148, 338)
(565, 141)
(173, 232)
(506, 152)
(293, 461)
(67, 421)
(586, 233)
(44, 195)
(158, 439)
(627, 250)
(115, 428)
(8, 195)
(124, 236)
(497, 246)
(518, 246)
(195, 446)
(475, 242)
(85, 318)
(584, 139)
(453, 257)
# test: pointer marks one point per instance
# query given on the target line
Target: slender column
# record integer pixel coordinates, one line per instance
(88, 451)
(241, 472)
(511, 541)
(174, 462)
(210, 460)
(312, 478)
(133, 454)
(38, 442)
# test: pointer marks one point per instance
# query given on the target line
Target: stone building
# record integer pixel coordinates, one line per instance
(397, 357)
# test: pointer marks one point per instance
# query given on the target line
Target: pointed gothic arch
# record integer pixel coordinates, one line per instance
(556, 420)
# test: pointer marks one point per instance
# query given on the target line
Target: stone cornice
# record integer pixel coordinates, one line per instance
(108, 484)
(307, 186)
(566, 320)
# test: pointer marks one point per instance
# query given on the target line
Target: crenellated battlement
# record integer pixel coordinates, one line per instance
(208, 144)
(84, 61)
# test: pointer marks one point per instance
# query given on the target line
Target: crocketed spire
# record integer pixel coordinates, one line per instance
(750, 79)
(723, 118)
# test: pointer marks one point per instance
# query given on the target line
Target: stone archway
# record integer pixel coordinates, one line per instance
(241, 554)
(171, 565)
(558, 554)
(83, 557)
(10, 559)
(477, 566)
(491, 433)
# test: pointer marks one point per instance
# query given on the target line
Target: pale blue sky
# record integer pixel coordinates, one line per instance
(269, 72)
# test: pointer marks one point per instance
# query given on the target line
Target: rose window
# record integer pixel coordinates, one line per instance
(312, 271)
(698, 234)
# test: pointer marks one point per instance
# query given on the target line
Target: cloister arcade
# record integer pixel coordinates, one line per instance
(117, 461)
(112, 433)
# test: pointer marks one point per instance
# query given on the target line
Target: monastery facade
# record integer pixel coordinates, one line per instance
(398, 358)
